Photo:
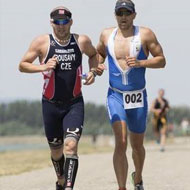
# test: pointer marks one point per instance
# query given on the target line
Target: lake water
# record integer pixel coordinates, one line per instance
(10, 147)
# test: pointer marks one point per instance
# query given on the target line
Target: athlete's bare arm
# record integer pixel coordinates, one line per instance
(101, 49)
(150, 44)
(88, 49)
(37, 49)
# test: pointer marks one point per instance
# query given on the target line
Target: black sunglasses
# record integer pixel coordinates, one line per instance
(121, 13)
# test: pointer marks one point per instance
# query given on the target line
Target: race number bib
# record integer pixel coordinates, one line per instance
(133, 99)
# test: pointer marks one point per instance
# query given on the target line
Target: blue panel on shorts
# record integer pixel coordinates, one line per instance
(134, 118)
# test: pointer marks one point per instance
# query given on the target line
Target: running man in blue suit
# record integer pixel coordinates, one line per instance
(127, 48)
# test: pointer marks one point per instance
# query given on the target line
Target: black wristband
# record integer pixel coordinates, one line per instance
(93, 72)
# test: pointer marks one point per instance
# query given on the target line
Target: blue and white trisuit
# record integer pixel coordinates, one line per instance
(127, 97)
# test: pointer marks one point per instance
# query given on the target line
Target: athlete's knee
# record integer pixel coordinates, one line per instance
(71, 139)
(56, 147)
(121, 145)
(73, 132)
(55, 143)
(137, 147)
(70, 145)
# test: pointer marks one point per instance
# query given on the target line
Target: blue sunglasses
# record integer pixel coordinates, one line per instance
(61, 21)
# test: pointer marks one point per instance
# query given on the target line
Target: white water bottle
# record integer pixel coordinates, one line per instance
(83, 77)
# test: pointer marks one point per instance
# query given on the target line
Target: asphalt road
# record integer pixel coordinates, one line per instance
(167, 170)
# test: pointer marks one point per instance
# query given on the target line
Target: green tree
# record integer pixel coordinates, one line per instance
(25, 117)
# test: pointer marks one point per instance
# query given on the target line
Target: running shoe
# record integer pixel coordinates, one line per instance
(138, 186)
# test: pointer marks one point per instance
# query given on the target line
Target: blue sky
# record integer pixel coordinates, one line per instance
(21, 21)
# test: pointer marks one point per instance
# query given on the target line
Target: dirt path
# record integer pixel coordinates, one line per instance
(162, 171)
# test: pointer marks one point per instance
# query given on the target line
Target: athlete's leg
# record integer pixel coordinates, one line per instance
(54, 134)
(136, 119)
(71, 164)
(119, 158)
(163, 134)
(58, 159)
(162, 139)
(138, 154)
(156, 129)
(118, 119)
(72, 124)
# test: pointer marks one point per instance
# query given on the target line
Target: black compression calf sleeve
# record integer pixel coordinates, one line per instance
(59, 166)
(71, 167)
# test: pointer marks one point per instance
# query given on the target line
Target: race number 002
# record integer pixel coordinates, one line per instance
(133, 98)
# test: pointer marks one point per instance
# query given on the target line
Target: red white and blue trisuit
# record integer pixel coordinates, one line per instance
(62, 102)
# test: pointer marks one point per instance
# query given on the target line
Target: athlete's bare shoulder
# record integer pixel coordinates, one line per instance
(40, 41)
(83, 38)
(146, 33)
(105, 34)
(39, 45)
(84, 42)
(107, 31)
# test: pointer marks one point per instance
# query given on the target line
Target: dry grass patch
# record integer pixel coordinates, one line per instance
(16, 162)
